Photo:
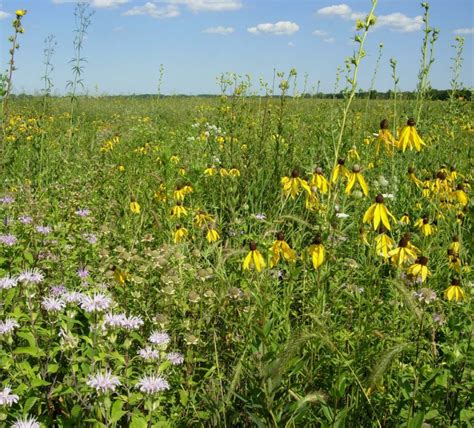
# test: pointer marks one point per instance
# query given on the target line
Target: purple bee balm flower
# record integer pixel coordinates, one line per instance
(152, 384)
(82, 273)
(8, 240)
(103, 382)
(24, 219)
(44, 229)
(7, 200)
(82, 212)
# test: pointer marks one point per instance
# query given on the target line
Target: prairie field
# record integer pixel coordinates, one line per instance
(240, 260)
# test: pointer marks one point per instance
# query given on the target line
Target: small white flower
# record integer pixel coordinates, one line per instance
(34, 276)
(7, 399)
(26, 422)
(73, 297)
(342, 215)
(152, 384)
(97, 303)
(53, 304)
(7, 326)
(159, 338)
(103, 382)
(175, 358)
(149, 353)
(8, 282)
(388, 195)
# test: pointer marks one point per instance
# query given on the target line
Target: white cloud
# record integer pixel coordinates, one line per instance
(464, 31)
(324, 35)
(96, 3)
(224, 31)
(207, 5)
(394, 21)
(281, 28)
(4, 15)
(154, 11)
(341, 10)
(320, 33)
(400, 22)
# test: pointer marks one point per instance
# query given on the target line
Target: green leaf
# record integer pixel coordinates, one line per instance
(117, 411)
(30, 350)
(29, 403)
(53, 368)
(28, 336)
(28, 257)
(76, 411)
(183, 397)
(138, 422)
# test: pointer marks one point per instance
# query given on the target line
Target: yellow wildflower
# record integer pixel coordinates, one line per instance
(135, 207)
(339, 170)
(180, 234)
(378, 212)
(281, 248)
(409, 137)
(317, 252)
(383, 243)
(405, 252)
(212, 235)
(319, 180)
(454, 291)
(419, 270)
(354, 176)
(253, 259)
(294, 185)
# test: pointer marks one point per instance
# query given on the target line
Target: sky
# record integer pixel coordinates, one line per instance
(197, 40)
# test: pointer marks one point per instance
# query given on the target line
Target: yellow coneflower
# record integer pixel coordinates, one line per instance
(424, 225)
(212, 235)
(294, 185)
(412, 176)
(386, 138)
(135, 207)
(453, 175)
(174, 159)
(121, 168)
(312, 201)
(441, 184)
(454, 291)
(383, 243)
(353, 153)
(120, 276)
(254, 258)
(202, 218)
(460, 195)
(454, 262)
(354, 176)
(339, 170)
(404, 253)
(419, 270)
(180, 234)
(281, 248)
(319, 181)
(377, 213)
(223, 172)
(409, 137)
(181, 191)
(404, 219)
(234, 172)
(455, 245)
(210, 171)
(160, 194)
(363, 235)
(178, 210)
(182, 172)
(317, 252)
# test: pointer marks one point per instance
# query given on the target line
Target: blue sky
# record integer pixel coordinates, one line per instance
(197, 40)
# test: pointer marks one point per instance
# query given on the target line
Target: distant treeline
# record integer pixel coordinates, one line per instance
(433, 94)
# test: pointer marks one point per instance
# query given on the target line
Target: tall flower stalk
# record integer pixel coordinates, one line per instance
(7, 80)
(427, 60)
(82, 16)
(50, 44)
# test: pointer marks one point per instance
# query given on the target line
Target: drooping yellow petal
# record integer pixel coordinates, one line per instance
(369, 214)
(247, 261)
(363, 184)
(351, 182)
